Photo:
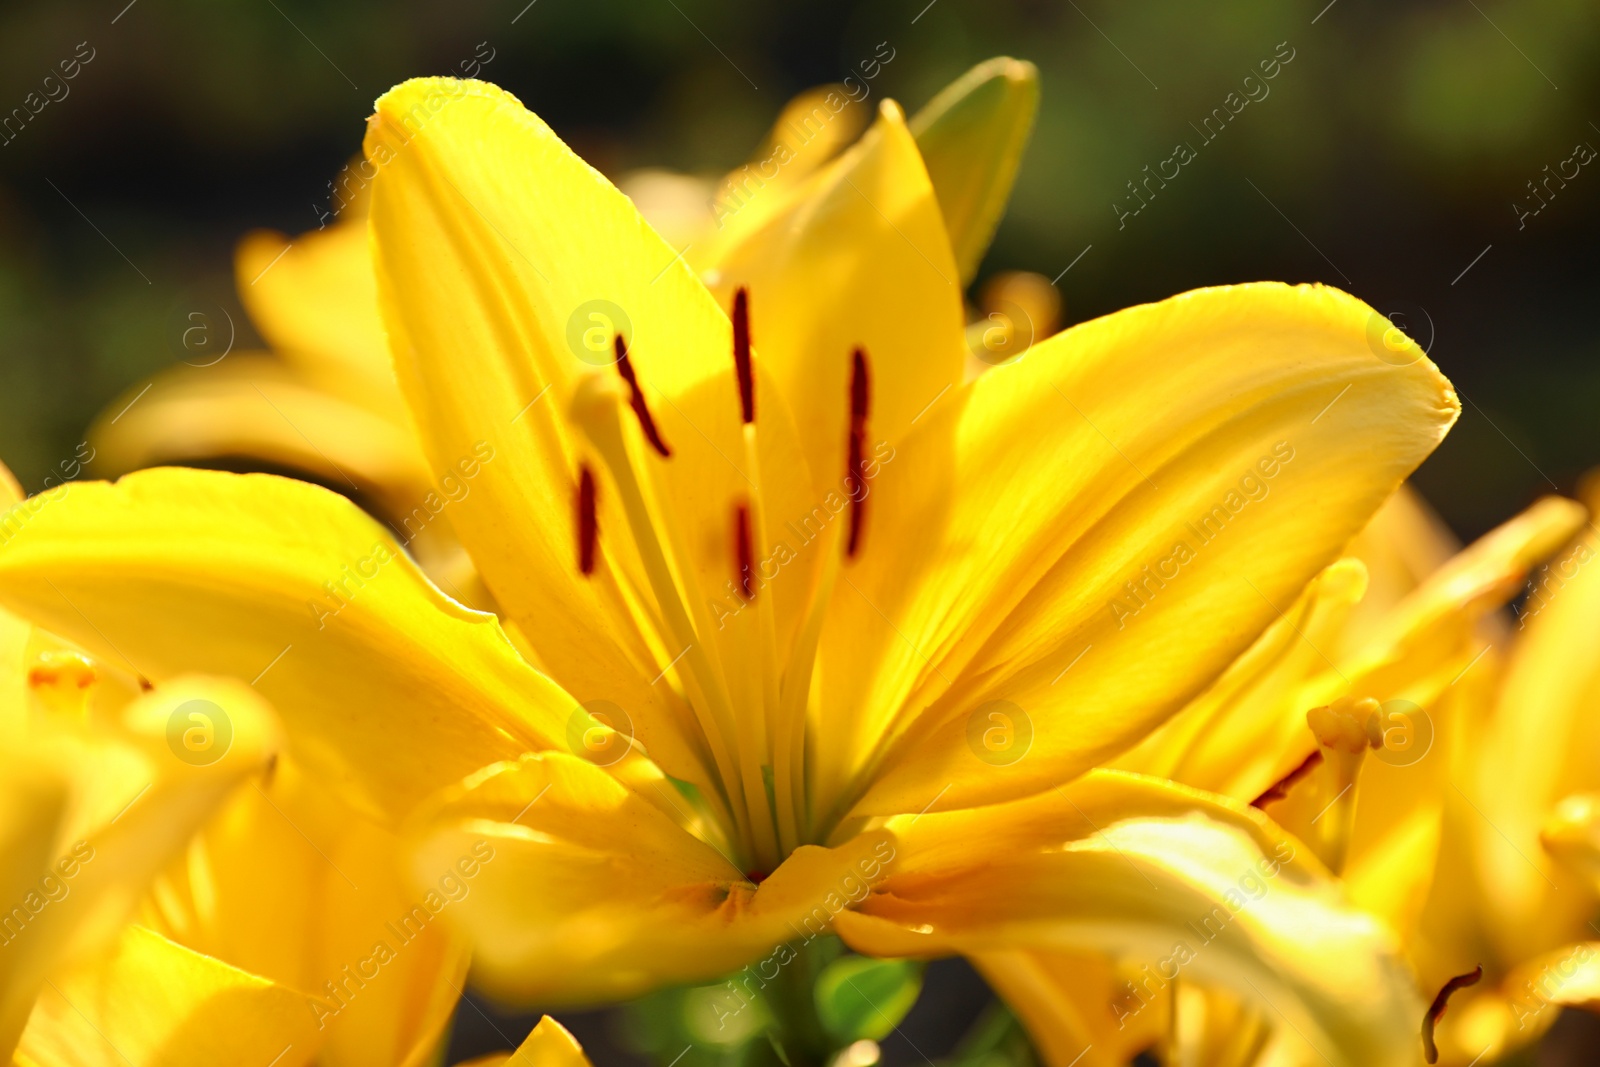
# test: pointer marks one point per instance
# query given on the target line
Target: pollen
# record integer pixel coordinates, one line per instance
(647, 422)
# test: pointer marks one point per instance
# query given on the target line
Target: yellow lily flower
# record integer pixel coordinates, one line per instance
(255, 940)
(100, 786)
(1516, 888)
(790, 600)
(547, 1045)
(291, 886)
(1398, 653)
(285, 934)
(89, 817)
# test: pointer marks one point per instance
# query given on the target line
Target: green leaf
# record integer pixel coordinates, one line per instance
(859, 997)
(777, 1047)
(996, 1039)
(972, 136)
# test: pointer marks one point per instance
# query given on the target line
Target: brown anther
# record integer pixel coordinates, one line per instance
(1280, 789)
(860, 392)
(855, 468)
(636, 399)
(755, 877)
(741, 539)
(1436, 1009)
(588, 525)
(741, 355)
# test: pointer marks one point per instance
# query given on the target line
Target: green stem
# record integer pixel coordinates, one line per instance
(792, 1001)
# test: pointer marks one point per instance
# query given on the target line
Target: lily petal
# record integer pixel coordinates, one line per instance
(1569, 976)
(88, 820)
(1147, 871)
(1066, 1001)
(1128, 507)
(315, 300)
(972, 136)
(14, 632)
(289, 884)
(388, 688)
(862, 238)
(1403, 544)
(1219, 1029)
(150, 1002)
(1480, 578)
(1249, 729)
(33, 808)
(810, 132)
(588, 893)
(548, 1045)
(498, 304)
(1532, 752)
(250, 410)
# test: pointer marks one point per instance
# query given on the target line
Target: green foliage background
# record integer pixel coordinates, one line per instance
(1388, 156)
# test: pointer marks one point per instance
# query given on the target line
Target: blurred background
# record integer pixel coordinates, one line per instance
(1434, 157)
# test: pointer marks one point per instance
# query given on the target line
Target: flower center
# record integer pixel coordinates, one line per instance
(751, 707)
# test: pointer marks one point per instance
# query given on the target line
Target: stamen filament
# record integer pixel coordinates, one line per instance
(796, 699)
(748, 740)
(745, 658)
(751, 525)
(1280, 789)
(595, 407)
(637, 600)
(765, 662)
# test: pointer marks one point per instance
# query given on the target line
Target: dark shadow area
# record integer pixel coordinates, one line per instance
(953, 996)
